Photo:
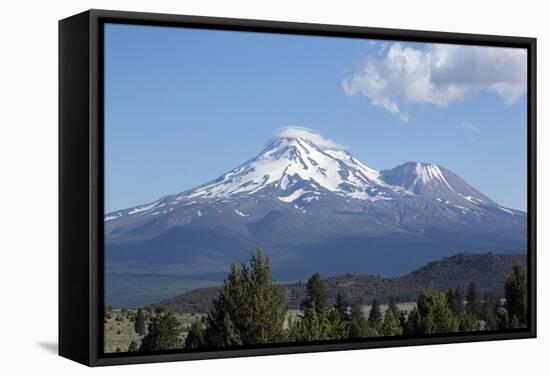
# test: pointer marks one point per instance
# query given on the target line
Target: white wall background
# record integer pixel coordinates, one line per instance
(28, 185)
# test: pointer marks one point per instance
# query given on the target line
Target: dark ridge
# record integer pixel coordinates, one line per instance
(488, 271)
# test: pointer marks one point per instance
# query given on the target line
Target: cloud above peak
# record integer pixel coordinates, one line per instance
(438, 74)
(311, 135)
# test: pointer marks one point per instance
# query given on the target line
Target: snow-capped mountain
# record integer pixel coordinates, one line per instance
(288, 161)
(296, 169)
(310, 203)
(438, 183)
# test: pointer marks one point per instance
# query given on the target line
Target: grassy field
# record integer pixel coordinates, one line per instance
(119, 327)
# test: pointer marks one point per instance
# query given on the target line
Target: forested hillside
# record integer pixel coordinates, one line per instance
(487, 271)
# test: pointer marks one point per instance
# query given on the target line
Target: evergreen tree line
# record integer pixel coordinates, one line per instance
(252, 309)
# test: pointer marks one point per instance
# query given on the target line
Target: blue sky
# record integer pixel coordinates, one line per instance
(184, 106)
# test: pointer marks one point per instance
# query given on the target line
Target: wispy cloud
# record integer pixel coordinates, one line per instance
(309, 134)
(438, 74)
(469, 126)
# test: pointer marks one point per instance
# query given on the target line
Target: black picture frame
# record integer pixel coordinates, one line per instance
(81, 182)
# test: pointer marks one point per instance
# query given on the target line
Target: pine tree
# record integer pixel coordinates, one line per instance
(316, 296)
(164, 332)
(294, 328)
(250, 309)
(412, 325)
(316, 326)
(489, 310)
(473, 301)
(358, 326)
(220, 330)
(133, 346)
(469, 323)
(195, 335)
(338, 324)
(456, 303)
(139, 323)
(266, 304)
(317, 320)
(431, 315)
(391, 325)
(342, 307)
(517, 297)
(392, 306)
(375, 315)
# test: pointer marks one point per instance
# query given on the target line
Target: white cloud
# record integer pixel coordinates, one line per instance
(383, 48)
(311, 135)
(438, 74)
(469, 126)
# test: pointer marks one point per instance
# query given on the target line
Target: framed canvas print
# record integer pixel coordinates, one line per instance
(240, 187)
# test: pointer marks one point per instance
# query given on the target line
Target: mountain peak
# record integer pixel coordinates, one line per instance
(436, 182)
(309, 135)
(427, 172)
(296, 158)
(410, 174)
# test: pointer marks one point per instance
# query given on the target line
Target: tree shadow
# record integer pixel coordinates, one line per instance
(50, 347)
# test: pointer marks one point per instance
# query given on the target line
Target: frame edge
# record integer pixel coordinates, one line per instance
(73, 258)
